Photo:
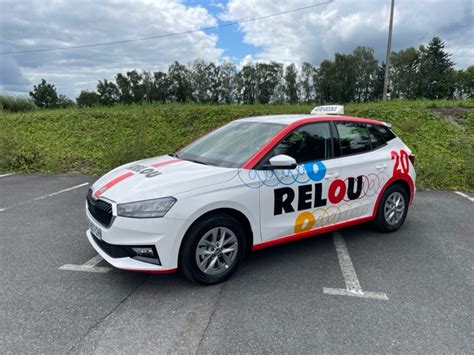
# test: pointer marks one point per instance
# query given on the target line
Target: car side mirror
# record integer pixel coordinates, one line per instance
(282, 161)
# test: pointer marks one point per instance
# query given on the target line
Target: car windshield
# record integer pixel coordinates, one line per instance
(231, 145)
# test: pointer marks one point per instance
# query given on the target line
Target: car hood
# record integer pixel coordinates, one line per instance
(157, 177)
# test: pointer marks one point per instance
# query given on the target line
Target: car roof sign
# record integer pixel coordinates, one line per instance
(328, 110)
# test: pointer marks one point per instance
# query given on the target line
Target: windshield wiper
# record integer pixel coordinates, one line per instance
(174, 155)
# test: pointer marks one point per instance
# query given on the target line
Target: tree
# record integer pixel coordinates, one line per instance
(306, 82)
(325, 79)
(344, 78)
(227, 90)
(404, 73)
(124, 88)
(464, 83)
(160, 88)
(366, 67)
(137, 87)
(203, 81)
(65, 102)
(291, 84)
(436, 71)
(377, 89)
(88, 99)
(268, 77)
(246, 84)
(180, 88)
(44, 95)
(108, 92)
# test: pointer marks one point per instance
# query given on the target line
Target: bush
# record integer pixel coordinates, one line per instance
(16, 103)
(88, 99)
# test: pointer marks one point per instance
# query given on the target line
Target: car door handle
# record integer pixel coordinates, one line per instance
(331, 176)
(381, 166)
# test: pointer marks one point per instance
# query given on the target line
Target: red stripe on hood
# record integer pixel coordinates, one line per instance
(126, 175)
(111, 183)
(164, 163)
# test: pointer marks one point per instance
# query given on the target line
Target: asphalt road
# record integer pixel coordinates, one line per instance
(274, 304)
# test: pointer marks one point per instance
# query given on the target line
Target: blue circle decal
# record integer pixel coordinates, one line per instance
(317, 175)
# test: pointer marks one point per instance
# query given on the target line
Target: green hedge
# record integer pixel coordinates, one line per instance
(94, 140)
(16, 104)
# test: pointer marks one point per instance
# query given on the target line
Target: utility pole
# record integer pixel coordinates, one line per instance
(389, 50)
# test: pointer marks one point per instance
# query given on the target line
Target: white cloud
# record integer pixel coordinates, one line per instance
(316, 34)
(311, 35)
(43, 24)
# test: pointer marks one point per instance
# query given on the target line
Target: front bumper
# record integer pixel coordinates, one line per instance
(165, 234)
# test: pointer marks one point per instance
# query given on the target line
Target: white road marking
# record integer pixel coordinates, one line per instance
(88, 266)
(60, 191)
(464, 195)
(5, 175)
(353, 287)
(45, 196)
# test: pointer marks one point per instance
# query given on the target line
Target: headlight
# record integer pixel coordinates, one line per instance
(146, 209)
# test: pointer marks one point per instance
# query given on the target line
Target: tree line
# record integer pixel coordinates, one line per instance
(427, 72)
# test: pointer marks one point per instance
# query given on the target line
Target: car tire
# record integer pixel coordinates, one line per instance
(392, 210)
(199, 250)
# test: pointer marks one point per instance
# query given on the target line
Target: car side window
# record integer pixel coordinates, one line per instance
(386, 133)
(310, 142)
(376, 139)
(356, 137)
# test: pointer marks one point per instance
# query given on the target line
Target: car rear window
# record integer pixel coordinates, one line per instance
(357, 137)
(385, 132)
(354, 137)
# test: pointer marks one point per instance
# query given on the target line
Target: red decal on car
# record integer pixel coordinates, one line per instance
(164, 163)
(402, 165)
(111, 183)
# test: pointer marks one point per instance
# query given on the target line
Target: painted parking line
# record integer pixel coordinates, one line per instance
(88, 266)
(5, 175)
(353, 287)
(464, 195)
(45, 196)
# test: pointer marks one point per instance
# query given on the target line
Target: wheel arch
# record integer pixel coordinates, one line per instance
(232, 212)
(403, 180)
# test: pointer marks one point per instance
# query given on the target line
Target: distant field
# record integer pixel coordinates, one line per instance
(94, 140)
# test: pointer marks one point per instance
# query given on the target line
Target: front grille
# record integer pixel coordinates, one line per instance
(114, 251)
(99, 209)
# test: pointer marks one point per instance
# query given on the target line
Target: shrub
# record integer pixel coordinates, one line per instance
(16, 103)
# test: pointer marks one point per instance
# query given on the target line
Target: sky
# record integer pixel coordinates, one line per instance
(311, 35)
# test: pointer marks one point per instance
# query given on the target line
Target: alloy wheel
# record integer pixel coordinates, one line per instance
(394, 208)
(216, 251)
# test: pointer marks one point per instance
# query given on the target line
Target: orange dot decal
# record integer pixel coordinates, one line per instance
(304, 222)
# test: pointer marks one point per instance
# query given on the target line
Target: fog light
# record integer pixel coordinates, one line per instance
(143, 251)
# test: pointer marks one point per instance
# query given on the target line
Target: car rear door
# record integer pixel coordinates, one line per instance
(294, 201)
(365, 161)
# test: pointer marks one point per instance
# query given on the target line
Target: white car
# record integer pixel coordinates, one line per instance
(253, 183)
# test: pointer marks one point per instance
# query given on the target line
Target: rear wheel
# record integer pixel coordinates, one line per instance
(213, 249)
(392, 209)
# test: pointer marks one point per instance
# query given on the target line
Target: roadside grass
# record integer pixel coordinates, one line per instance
(95, 140)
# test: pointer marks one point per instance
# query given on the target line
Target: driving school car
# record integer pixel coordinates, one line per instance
(253, 183)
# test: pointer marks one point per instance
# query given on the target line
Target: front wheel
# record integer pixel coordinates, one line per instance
(392, 209)
(212, 250)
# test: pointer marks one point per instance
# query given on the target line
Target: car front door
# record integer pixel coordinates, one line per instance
(364, 163)
(295, 200)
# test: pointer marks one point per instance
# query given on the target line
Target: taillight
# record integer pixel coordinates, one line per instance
(412, 158)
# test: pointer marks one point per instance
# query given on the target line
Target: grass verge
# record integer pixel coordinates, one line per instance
(95, 140)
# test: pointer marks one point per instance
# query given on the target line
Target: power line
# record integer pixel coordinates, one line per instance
(173, 34)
